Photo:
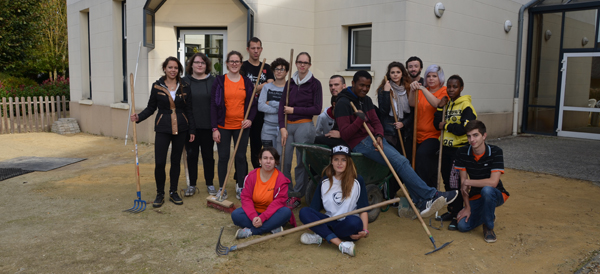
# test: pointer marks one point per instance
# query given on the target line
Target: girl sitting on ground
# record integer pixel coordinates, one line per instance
(340, 191)
(263, 198)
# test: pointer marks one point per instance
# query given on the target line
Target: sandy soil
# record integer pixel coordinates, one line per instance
(70, 220)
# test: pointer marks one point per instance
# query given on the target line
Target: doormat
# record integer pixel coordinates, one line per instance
(38, 163)
(7, 173)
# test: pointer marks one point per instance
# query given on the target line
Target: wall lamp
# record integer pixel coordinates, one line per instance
(439, 9)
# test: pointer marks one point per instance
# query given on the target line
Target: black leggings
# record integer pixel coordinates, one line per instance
(203, 142)
(255, 137)
(161, 148)
(224, 147)
(426, 162)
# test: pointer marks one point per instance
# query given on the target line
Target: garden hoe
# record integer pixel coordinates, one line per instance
(218, 202)
(403, 188)
(139, 205)
(223, 250)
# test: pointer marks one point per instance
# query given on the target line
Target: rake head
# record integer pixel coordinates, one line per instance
(139, 205)
(437, 248)
(221, 249)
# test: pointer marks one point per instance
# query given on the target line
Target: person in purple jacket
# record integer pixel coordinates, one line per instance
(229, 101)
(305, 101)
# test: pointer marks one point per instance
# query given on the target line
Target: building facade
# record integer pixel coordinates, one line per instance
(471, 38)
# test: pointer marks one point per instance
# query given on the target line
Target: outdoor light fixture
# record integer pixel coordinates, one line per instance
(548, 35)
(584, 41)
(507, 25)
(439, 9)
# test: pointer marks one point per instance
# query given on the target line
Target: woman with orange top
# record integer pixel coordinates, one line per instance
(263, 198)
(428, 143)
(230, 98)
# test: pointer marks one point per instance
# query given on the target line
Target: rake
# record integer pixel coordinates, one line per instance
(139, 205)
(224, 250)
(435, 248)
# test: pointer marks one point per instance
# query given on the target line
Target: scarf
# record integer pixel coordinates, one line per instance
(300, 82)
(400, 100)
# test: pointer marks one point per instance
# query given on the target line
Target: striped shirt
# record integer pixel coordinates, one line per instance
(491, 161)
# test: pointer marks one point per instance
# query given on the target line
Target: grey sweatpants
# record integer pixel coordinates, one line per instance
(269, 135)
(297, 133)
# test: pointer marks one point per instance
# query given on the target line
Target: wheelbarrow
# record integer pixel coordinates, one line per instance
(376, 176)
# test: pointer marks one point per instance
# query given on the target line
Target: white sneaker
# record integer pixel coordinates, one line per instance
(238, 192)
(347, 248)
(311, 238)
(277, 230)
(224, 193)
(433, 206)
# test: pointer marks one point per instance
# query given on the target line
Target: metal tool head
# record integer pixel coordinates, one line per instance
(221, 249)
(139, 205)
(438, 228)
(437, 248)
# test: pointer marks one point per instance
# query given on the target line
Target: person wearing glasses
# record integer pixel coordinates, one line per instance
(268, 102)
(229, 101)
(198, 77)
(305, 101)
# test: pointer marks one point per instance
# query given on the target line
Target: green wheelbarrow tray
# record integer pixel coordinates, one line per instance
(375, 175)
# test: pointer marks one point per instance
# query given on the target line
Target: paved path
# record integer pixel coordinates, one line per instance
(566, 157)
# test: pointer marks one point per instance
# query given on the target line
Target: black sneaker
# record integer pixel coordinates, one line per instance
(453, 225)
(174, 197)
(450, 196)
(445, 217)
(159, 201)
(488, 235)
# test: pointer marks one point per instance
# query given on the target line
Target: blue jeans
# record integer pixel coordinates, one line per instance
(350, 225)
(279, 218)
(483, 209)
(418, 189)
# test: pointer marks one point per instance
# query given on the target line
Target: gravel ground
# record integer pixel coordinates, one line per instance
(566, 157)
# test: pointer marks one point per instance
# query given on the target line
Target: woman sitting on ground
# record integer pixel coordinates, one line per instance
(263, 198)
(341, 191)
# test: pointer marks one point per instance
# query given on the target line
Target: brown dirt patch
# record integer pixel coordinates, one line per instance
(69, 220)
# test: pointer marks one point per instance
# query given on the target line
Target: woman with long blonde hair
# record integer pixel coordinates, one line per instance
(340, 191)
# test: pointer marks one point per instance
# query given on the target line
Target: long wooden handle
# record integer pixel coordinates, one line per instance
(414, 147)
(237, 144)
(287, 100)
(396, 119)
(137, 161)
(316, 223)
(380, 149)
(439, 173)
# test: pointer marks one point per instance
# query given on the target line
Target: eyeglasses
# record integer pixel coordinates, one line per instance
(199, 63)
(302, 63)
(234, 62)
(280, 69)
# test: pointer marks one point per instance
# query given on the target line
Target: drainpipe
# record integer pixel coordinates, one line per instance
(518, 66)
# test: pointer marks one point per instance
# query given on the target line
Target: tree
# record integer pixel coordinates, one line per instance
(52, 34)
(17, 33)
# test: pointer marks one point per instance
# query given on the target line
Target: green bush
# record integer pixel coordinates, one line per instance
(59, 87)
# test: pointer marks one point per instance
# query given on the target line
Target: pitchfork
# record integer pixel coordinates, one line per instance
(139, 205)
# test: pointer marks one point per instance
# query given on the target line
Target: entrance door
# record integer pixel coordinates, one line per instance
(213, 43)
(579, 108)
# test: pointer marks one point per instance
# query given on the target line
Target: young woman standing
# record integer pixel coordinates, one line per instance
(230, 98)
(198, 77)
(173, 123)
(305, 101)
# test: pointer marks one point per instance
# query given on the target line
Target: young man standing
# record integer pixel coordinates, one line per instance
(250, 68)
(427, 199)
(414, 65)
(480, 167)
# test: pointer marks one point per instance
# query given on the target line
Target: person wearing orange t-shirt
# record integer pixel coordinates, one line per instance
(480, 166)
(230, 99)
(428, 143)
(263, 199)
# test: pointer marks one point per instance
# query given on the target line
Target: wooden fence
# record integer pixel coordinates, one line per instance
(19, 115)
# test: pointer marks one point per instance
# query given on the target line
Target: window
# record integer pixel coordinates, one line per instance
(150, 9)
(359, 47)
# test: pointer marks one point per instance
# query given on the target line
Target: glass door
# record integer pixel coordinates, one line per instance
(579, 108)
(213, 43)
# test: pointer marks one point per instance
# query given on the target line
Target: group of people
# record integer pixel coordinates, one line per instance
(202, 109)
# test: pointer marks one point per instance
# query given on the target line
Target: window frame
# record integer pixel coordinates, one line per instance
(351, 30)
